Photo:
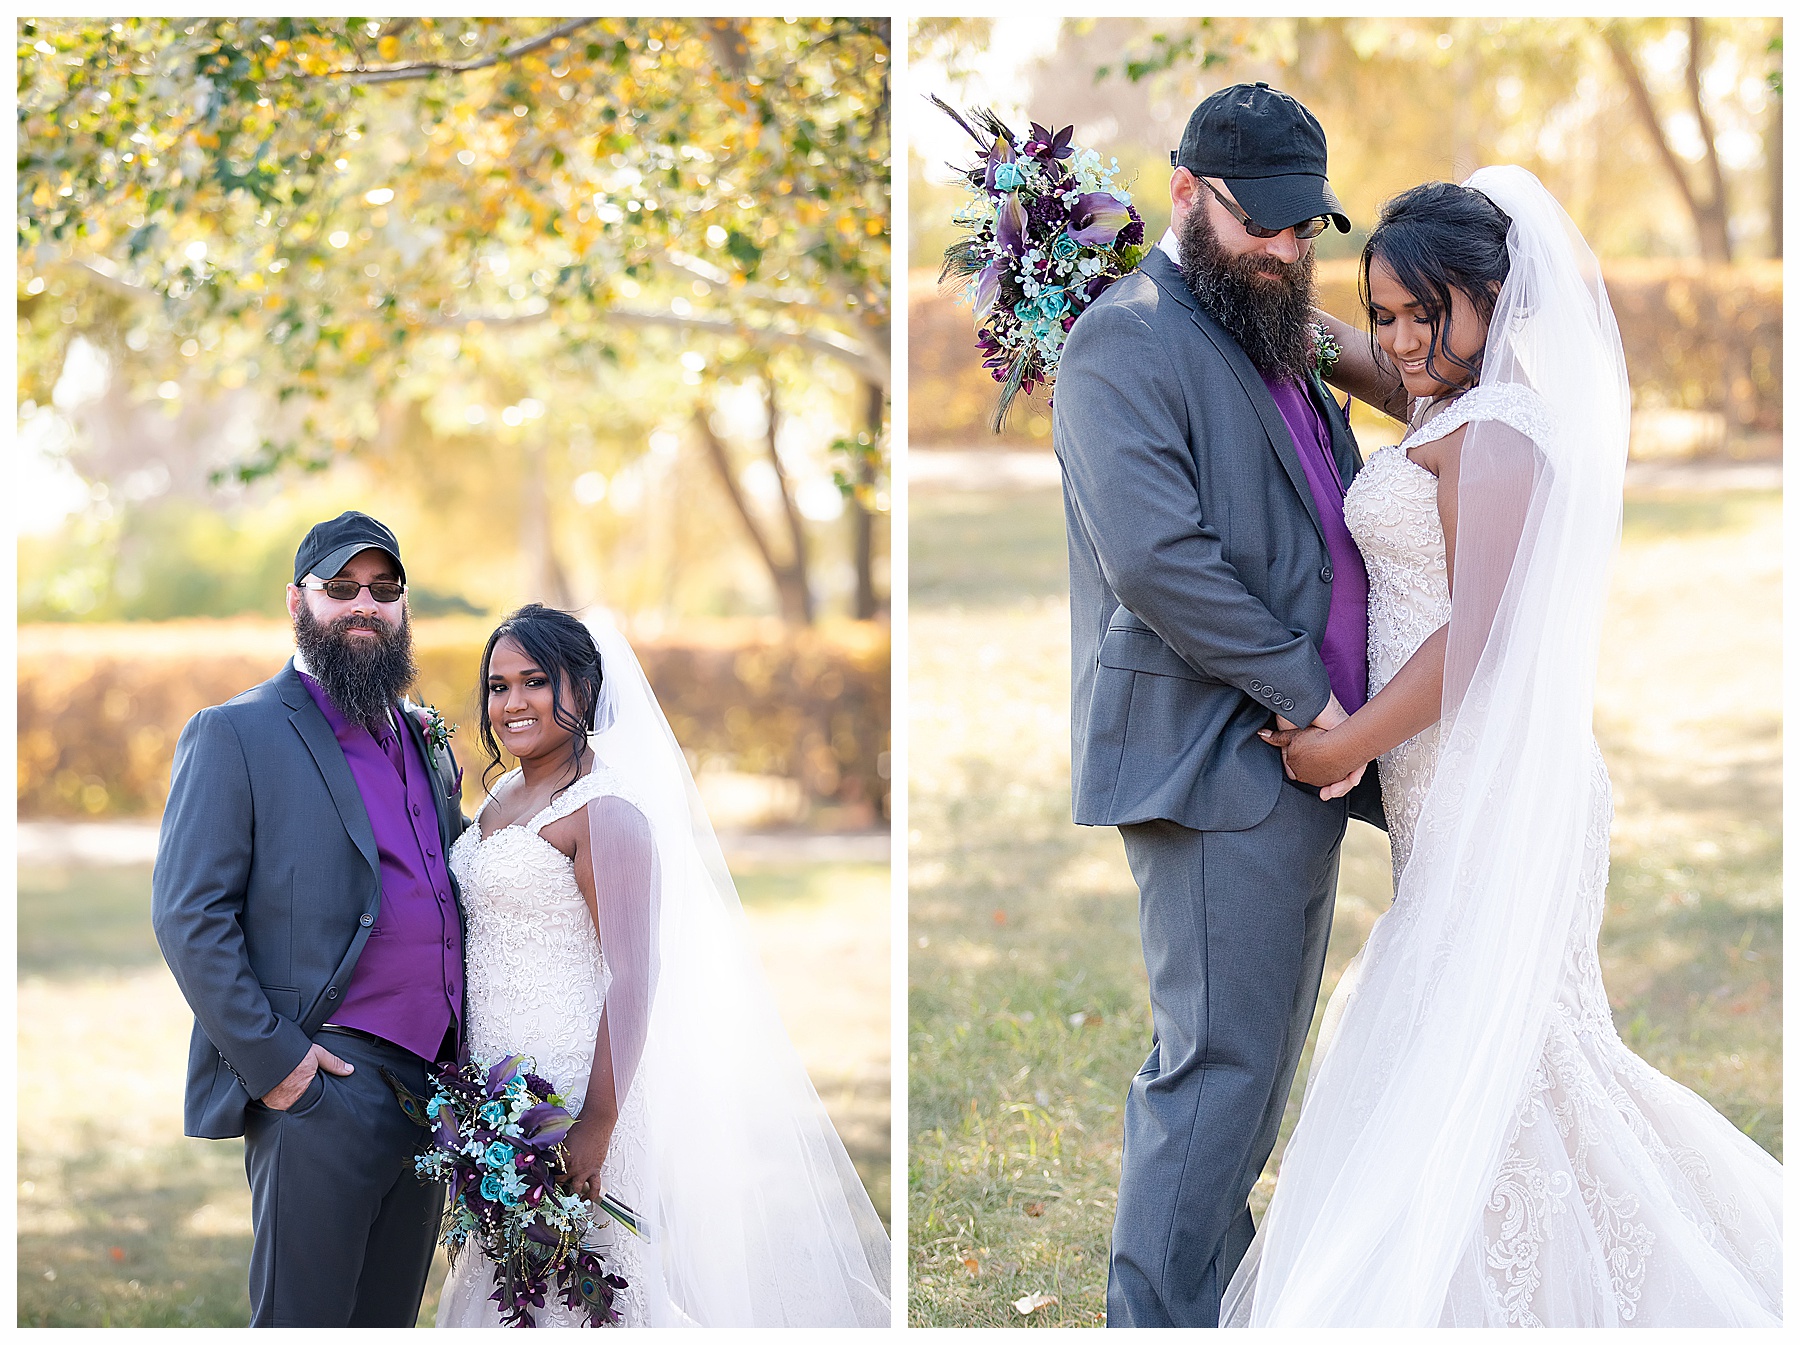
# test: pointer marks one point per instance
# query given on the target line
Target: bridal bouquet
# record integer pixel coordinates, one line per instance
(497, 1136)
(1047, 233)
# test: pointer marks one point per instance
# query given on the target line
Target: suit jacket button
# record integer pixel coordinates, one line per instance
(1325, 574)
(367, 920)
(331, 993)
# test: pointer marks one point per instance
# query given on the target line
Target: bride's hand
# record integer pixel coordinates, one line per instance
(586, 1146)
(1314, 756)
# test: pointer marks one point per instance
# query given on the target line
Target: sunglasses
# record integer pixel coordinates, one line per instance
(346, 590)
(1306, 228)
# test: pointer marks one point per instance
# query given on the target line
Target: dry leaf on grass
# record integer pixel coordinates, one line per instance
(1034, 1208)
(1032, 1302)
(972, 1265)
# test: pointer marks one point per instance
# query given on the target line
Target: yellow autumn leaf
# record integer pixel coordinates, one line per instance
(388, 47)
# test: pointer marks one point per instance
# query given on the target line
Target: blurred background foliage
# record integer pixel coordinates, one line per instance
(563, 286)
(591, 311)
(1661, 138)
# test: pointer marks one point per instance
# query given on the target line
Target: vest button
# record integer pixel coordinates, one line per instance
(331, 993)
(367, 920)
(1325, 574)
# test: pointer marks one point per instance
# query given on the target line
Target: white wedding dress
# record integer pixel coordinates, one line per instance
(537, 978)
(1621, 1198)
(754, 1213)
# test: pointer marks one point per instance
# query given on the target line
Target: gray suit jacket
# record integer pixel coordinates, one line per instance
(267, 881)
(1199, 581)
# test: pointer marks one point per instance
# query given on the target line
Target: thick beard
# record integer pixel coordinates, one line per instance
(362, 681)
(1269, 317)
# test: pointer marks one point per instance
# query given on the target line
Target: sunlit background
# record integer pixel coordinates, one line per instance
(1028, 1003)
(593, 312)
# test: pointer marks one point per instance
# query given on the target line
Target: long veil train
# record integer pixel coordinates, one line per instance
(759, 1218)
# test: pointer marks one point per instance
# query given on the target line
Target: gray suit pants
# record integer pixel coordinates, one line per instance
(343, 1229)
(1234, 925)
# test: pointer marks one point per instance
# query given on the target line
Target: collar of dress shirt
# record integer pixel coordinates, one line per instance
(1170, 244)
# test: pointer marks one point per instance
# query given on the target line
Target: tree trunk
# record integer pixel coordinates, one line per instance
(543, 574)
(1717, 217)
(1772, 165)
(1709, 217)
(862, 520)
(796, 528)
(791, 589)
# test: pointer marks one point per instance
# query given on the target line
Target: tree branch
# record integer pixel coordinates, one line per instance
(721, 460)
(1721, 214)
(1646, 110)
(388, 74)
(796, 531)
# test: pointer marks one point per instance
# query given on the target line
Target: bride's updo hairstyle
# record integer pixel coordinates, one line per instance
(562, 647)
(1437, 237)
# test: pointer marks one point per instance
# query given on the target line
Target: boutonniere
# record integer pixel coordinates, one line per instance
(438, 732)
(1326, 350)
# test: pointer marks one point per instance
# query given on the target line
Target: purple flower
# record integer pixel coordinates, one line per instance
(987, 289)
(1097, 219)
(1050, 145)
(1010, 223)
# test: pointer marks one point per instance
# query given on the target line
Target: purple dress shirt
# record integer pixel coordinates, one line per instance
(407, 986)
(1346, 647)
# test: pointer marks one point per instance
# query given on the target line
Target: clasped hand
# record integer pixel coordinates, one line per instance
(585, 1149)
(1311, 756)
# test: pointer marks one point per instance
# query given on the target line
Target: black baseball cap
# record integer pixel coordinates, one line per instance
(327, 548)
(1269, 150)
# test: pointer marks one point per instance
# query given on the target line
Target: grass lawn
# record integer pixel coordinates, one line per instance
(1029, 1010)
(123, 1222)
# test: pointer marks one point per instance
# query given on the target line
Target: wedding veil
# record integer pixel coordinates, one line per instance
(1414, 1099)
(757, 1217)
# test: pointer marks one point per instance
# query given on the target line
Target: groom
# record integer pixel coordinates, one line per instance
(1214, 590)
(303, 901)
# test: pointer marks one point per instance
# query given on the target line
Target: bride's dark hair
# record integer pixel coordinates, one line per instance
(1437, 237)
(561, 646)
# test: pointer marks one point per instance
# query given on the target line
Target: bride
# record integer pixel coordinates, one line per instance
(1477, 1147)
(605, 940)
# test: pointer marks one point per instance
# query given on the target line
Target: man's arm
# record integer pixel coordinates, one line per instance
(197, 895)
(1131, 477)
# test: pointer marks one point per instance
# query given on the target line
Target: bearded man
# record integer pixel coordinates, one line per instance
(1214, 592)
(303, 901)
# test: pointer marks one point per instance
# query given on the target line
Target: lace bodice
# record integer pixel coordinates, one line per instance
(1391, 511)
(536, 982)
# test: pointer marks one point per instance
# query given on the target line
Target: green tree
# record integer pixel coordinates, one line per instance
(342, 213)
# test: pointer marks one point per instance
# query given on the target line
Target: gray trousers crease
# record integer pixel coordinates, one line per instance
(1234, 926)
(344, 1230)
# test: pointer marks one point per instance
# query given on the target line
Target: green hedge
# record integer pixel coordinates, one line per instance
(101, 706)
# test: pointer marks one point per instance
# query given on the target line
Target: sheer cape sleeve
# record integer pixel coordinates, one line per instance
(627, 909)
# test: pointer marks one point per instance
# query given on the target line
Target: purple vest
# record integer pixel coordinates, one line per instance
(1345, 650)
(407, 986)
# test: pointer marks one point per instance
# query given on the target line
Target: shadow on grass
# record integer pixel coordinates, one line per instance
(978, 549)
(142, 1237)
(76, 921)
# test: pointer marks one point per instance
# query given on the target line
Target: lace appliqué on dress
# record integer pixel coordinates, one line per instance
(1608, 1160)
(536, 981)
